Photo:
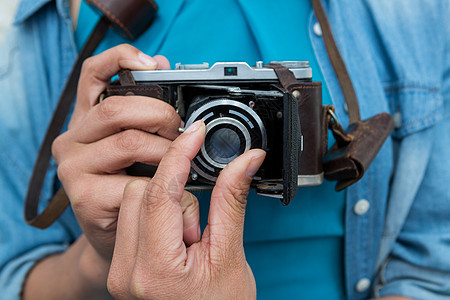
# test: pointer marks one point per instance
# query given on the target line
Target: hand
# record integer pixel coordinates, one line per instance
(103, 139)
(151, 258)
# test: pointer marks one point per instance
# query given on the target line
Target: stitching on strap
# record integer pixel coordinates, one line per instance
(113, 17)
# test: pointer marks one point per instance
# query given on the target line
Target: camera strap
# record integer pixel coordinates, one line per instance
(130, 18)
(356, 147)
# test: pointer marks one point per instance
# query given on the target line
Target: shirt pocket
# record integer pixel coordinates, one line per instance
(414, 106)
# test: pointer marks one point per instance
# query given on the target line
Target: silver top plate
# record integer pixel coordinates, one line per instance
(222, 71)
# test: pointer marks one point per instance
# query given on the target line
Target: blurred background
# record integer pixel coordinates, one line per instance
(7, 10)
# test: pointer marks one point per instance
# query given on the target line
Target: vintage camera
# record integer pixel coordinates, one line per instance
(243, 108)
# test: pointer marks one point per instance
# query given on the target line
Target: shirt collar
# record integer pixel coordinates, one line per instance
(28, 8)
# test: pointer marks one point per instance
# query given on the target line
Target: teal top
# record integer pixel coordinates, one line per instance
(294, 251)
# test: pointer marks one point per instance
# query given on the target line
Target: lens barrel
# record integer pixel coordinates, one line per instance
(232, 128)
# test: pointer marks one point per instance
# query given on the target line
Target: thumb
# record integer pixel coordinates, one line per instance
(229, 199)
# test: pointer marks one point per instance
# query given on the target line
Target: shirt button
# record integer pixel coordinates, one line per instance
(346, 107)
(361, 207)
(362, 285)
(397, 116)
(317, 29)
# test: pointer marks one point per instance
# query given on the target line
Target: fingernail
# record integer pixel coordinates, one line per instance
(147, 60)
(194, 126)
(254, 164)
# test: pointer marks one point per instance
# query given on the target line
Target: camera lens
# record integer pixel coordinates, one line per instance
(224, 145)
(226, 138)
(232, 128)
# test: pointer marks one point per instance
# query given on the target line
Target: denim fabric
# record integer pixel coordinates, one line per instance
(397, 53)
(30, 84)
(399, 62)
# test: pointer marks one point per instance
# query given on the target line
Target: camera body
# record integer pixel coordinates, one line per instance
(243, 108)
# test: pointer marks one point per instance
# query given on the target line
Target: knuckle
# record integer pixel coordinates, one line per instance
(158, 282)
(234, 195)
(115, 285)
(189, 203)
(176, 182)
(168, 114)
(147, 284)
(129, 140)
(158, 198)
(88, 65)
(137, 291)
(109, 108)
(190, 206)
(58, 146)
(156, 190)
(175, 152)
(123, 51)
(137, 184)
(238, 190)
(65, 171)
(124, 47)
(81, 198)
(139, 288)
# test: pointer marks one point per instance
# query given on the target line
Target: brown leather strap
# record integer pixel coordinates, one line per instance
(132, 17)
(356, 147)
(354, 151)
(337, 62)
(56, 207)
(286, 78)
(309, 99)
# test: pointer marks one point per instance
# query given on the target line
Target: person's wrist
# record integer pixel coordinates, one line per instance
(78, 273)
(93, 269)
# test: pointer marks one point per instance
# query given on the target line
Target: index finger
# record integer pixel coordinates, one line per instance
(97, 71)
(161, 230)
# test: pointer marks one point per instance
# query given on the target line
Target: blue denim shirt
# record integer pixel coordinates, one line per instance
(397, 238)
